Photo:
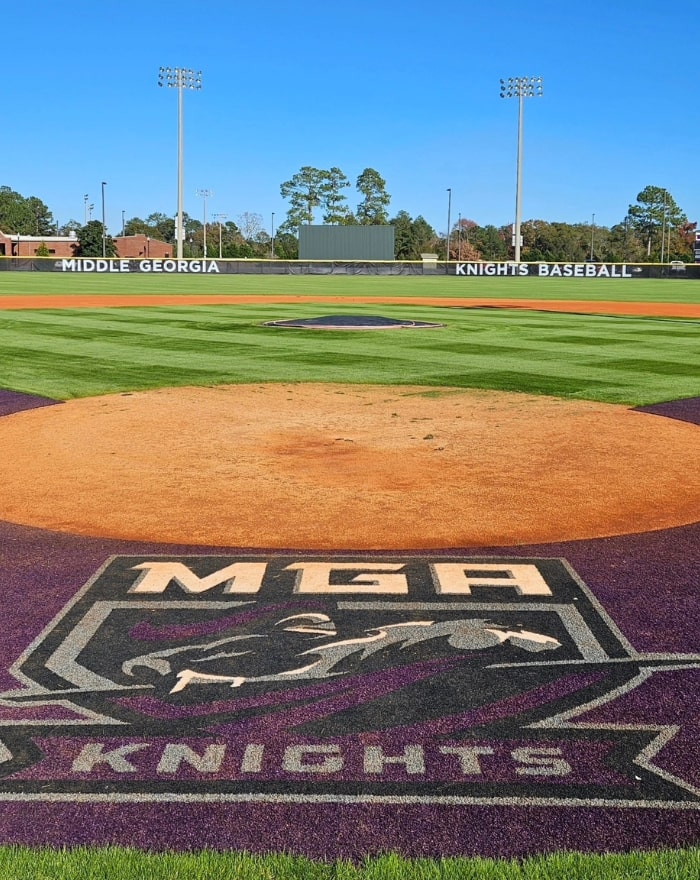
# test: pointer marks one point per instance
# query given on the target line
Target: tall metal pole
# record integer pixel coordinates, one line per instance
(592, 235)
(519, 182)
(663, 230)
(104, 226)
(520, 87)
(86, 198)
(180, 78)
(272, 237)
(179, 228)
(204, 193)
(218, 218)
(449, 214)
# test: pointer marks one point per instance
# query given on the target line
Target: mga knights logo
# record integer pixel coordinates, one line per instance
(392, 679)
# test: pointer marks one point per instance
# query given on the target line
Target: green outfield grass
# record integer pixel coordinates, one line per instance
(594, 289)
(84, 352)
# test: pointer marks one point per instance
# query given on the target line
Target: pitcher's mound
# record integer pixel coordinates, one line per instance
(346, 467)
(353, 322)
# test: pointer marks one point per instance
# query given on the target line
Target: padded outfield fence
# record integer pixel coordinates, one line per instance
(458, 269)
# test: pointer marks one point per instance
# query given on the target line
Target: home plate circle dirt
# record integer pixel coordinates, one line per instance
(337, 466)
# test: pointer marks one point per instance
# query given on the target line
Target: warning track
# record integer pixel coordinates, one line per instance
(611, 307)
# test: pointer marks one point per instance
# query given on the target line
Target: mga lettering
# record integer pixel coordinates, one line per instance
(458, 579)
(335, 578)
(314, 577)
(240, 577)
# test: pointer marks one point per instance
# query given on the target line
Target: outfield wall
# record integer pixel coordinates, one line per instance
(464, 270)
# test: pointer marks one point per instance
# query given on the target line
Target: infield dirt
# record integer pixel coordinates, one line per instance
(334, 467)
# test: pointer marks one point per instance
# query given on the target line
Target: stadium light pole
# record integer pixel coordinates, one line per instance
(449, 212)
(104, 227)
(520, 87)
(592, 234)
(205, 194)
(219, 218)
(86, 199)
(663, 231)
(180, 78)
(272, 237)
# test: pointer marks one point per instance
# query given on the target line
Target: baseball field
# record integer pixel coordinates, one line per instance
(339, 593)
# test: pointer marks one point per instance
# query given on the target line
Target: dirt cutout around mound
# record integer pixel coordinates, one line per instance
(315, 466)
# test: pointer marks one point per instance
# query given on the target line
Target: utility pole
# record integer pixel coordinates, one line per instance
(449, 213)
(205, 194)
(104, 226)
(219, 218)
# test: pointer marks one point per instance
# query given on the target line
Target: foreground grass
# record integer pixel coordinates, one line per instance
(591, 289)
(85, 352)
(19, 863)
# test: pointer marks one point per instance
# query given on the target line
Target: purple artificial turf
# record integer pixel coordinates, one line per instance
(14, 401)
(685, 410)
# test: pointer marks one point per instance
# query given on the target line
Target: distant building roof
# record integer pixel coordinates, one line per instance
(15, 235)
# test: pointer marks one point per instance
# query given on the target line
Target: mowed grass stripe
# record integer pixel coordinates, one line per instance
(676, 290)
(486, 330)
(84, 352)
(297, 342)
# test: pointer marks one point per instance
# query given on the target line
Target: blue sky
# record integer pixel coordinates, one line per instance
(410, 89)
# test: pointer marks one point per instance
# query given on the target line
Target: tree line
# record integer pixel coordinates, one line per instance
(654, 229)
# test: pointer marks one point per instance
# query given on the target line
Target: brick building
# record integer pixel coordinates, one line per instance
(12, 245)
(128, 246)
(137, 246)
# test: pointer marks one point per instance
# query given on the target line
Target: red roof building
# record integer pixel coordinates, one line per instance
(128, 246)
